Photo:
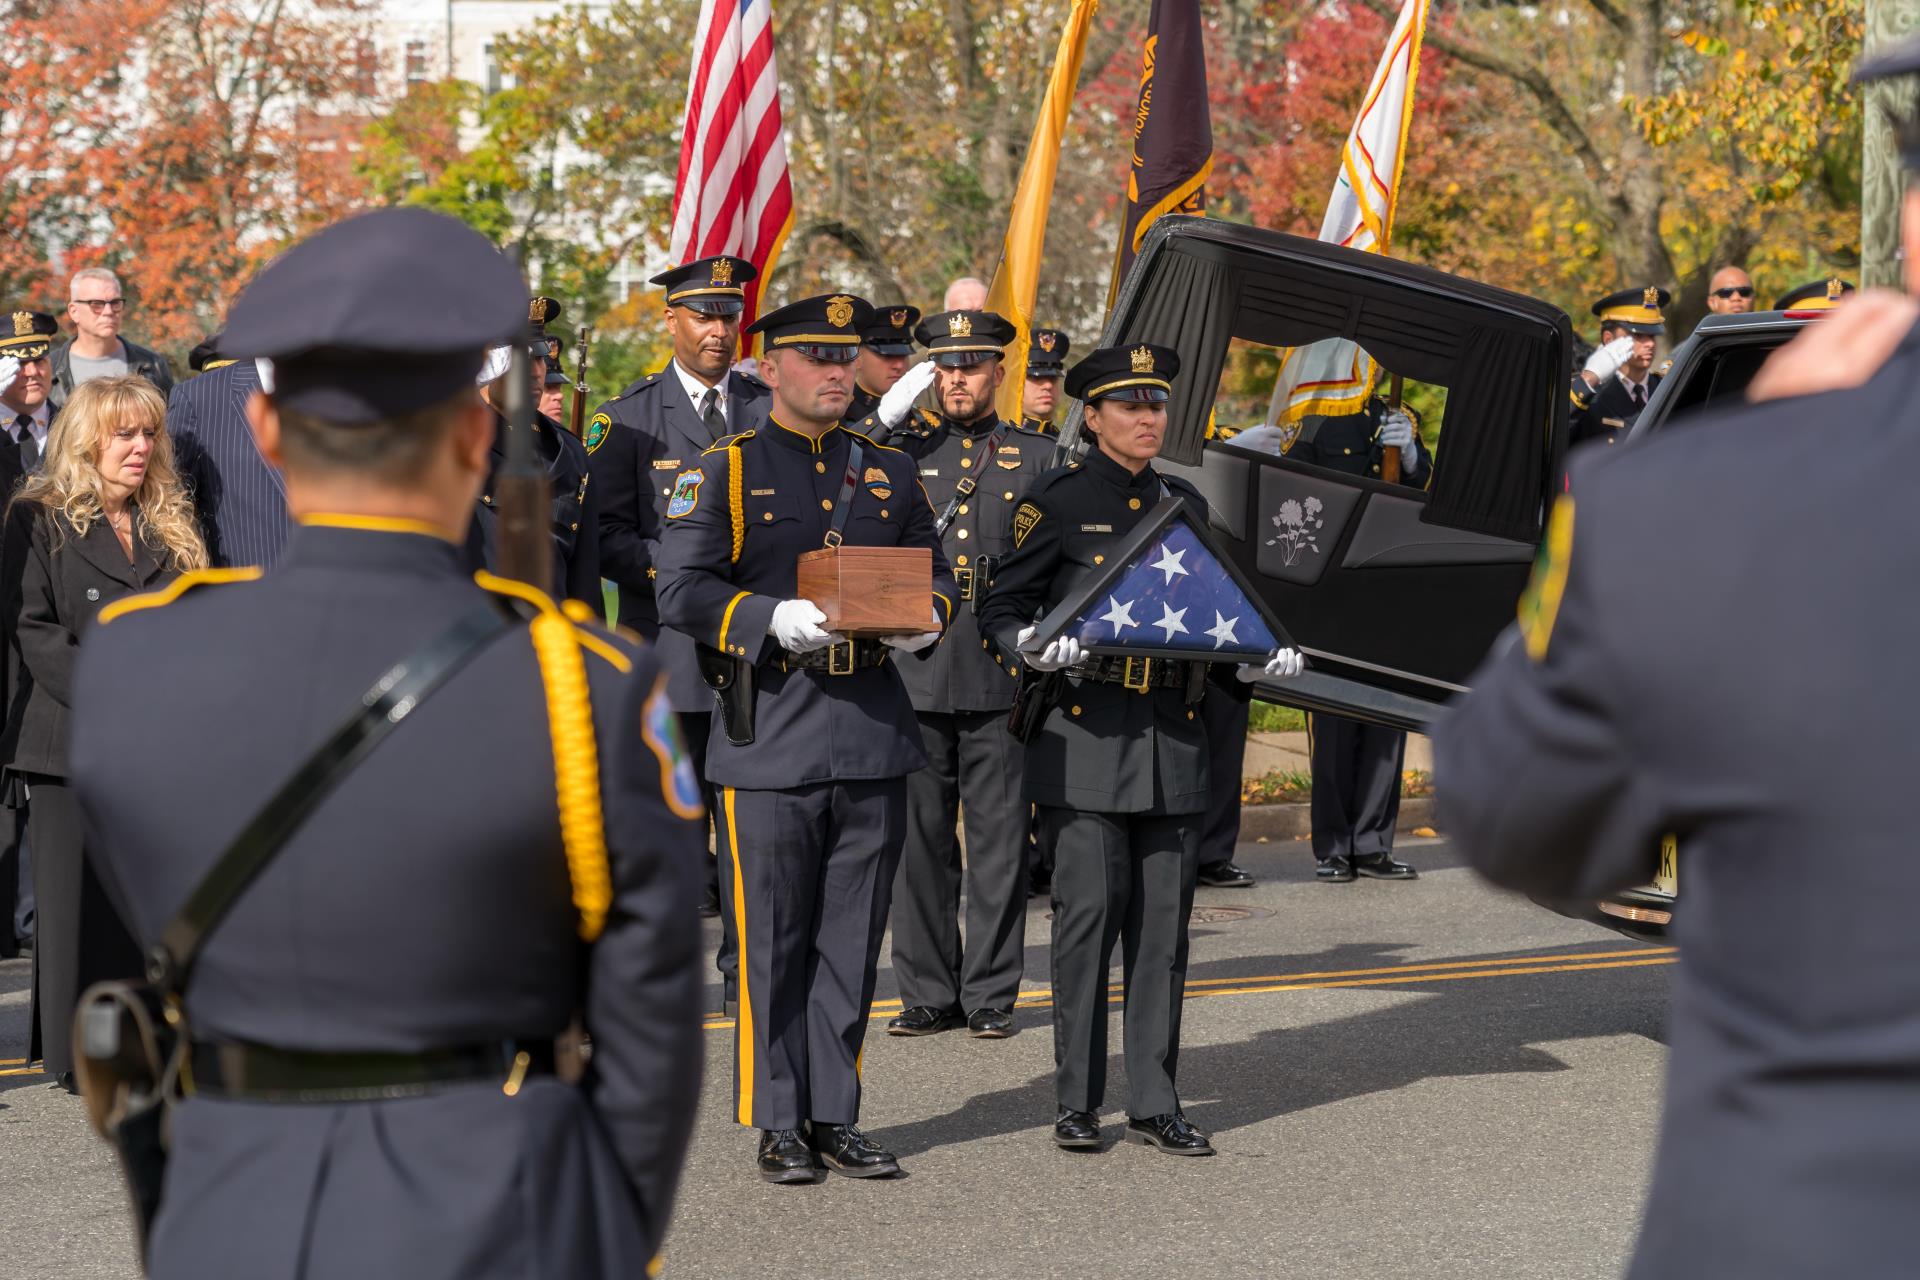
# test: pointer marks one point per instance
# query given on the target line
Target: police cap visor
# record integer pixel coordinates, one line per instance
(828, 352)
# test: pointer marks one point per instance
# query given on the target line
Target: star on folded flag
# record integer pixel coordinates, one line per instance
(1222, 629)
(1169, 563)
(1170, 621)
(1120, 615)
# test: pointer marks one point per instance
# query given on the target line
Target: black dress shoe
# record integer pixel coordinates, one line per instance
(925, 1020)
(1383, 866)
(990, 1024)
(1334, 870)
(851, 1153)
(1076, 1130)
(65, 1080)
(1171, 1133)
(1224, 875)
(785, 1156)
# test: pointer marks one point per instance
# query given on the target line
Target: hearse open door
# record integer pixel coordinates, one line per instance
(1393, 593)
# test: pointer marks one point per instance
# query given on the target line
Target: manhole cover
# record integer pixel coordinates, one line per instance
(1227, 915)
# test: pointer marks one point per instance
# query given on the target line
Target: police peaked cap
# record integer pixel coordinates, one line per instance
(323, 313)
(716, 286)
(1140, 372)
(827, 326)
(961, 338)
(1815, 295)
(891, 333)
(26, 335)
(1638, 311)
(1047, 353)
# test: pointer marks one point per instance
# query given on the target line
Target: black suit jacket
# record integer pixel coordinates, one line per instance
(638, 443)
(52, 595)
(241, 500)
(1720, 644)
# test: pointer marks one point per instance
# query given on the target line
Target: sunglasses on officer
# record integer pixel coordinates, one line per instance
(1734, 291)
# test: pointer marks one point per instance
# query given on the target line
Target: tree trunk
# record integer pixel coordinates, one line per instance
(1888, 21)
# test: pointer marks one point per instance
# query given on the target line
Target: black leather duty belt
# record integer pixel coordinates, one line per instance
(1139, 674)
(841, 659)
(980, 572)
(256, 1073)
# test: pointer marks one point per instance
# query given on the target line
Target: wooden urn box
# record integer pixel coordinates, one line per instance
(870, 591)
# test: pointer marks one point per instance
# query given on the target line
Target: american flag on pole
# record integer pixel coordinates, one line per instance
(734, 193)
(1335, 376)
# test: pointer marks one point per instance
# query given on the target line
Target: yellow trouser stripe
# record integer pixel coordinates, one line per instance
(744, 1040)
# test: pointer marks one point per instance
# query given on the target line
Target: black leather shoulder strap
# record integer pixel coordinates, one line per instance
(382, 707)
(844, 503)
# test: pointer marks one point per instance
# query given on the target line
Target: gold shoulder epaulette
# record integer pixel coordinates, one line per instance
(177, 588)
(727, 442)
(573, 612)
(861, 435)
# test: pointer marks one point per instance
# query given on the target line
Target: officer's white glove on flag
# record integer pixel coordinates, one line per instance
(913, 644)
(898, 403)
(1606, 361)
(1064, 652)
(796, 625)
(9, 370)
(1285, 664)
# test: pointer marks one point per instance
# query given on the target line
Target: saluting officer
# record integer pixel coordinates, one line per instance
(372, 1088)
(1618, 380)
(1046, 366)
(636, 444)
(817, 735)
(886, 349)
(576, 508)
(1119, 771)
(974, 468)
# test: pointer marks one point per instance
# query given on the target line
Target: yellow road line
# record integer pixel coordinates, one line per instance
(22, 1071)
(1438, 971)
(13, 1062)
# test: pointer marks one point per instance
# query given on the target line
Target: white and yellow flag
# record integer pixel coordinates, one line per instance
(1334, 376)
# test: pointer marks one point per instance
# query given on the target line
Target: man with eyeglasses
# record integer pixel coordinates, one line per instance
(97, 307)
(1730, 293)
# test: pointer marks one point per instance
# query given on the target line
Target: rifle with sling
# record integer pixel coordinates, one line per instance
(577, 415)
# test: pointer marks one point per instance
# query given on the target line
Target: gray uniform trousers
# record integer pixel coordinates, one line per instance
(812, 870)
(1127, 877)
(696, 727)
(972, 761)
(1356, 786)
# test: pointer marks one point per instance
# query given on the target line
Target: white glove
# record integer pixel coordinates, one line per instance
(1606, 361)
(796, 625)
(898, 403)
(9, 370)
(1064, 652)
(913, 644)
(1396, 432)
(1285, 664)
(1265, 438)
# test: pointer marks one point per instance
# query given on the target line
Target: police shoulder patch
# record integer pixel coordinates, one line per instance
(1025, 516)
(597, 431)
(660, 728)
(686, 494)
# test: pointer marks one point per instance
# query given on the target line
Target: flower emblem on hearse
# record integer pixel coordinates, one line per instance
(1297, 525)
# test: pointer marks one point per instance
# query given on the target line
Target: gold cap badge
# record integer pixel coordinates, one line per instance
(900, 318)
(1046, 342)
(1142, 360)
(1834, 287)
(1651, 298)
(722, 272)
(23, 324)
(959, 326)
(839, 311)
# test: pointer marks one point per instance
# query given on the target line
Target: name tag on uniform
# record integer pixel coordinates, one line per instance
(929, 471)
(1096, 528)
(665, 464)
(761, 493)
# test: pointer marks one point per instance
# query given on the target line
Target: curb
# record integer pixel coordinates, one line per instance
(1294, 821)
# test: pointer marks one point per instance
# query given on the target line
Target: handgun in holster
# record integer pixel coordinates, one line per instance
(979, 581)
(1031, 700)
(731, 680)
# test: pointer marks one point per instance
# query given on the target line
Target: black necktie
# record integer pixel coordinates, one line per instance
(1639, 394)
(23, 436)
(710, 413)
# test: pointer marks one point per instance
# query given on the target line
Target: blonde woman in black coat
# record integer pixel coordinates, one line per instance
(105, 517)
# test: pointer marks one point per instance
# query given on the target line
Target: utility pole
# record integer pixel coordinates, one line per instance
(1881, 183)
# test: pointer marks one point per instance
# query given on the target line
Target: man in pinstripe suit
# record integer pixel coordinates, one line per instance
(241, 499)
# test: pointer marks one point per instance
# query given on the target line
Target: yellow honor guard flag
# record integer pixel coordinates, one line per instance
(1017, 278)
(1335, 376)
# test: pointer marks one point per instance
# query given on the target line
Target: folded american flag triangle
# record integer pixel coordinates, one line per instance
(1168, 591)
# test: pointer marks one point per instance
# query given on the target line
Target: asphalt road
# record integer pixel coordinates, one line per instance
(1404, 1080)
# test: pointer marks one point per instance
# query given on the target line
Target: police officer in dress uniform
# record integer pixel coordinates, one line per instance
(1618, 380)
(1355, 803)
(812, 754)
(1046, 366)
(437, 917)
(637, 443)
(974, 468)
(886, 348)
(1815, 295)
(576, 507)
(1119, 770)
(1631, 703)
(26, 338)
